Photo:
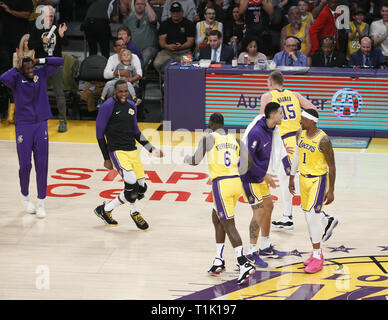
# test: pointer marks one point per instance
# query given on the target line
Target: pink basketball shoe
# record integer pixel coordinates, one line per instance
(307, 262)
(315, 265)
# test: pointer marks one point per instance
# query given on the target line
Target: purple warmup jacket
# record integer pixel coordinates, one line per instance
(259, 145)
(31, 100)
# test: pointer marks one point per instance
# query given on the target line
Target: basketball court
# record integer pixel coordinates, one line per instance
(72, 254)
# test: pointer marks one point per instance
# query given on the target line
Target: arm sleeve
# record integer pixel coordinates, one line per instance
(102, 120)
(295, 161)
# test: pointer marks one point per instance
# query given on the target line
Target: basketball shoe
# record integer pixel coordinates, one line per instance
(28, 206)
(255, 259)
(285, 222)
(314, 265)
(106, 216)
(271, 252)
(306, 263)
(246, 270)
(217, 267)
(139, 221)
(331, 224)
(41, 212)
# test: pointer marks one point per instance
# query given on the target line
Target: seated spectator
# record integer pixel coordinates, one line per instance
(176, 37)
(216, 51)
(125, 57)
(298, 29)
(92, 91)
(204, 27)
(142, 22)
(328, 56)
(291, 55)
(111, 71)
(188, 7)
(358, 29)
(23, 51)
(379, 30)
(234, 29)
(205, 4)
(251, 48)
(306, 16)
(125, 34)
(367, 56)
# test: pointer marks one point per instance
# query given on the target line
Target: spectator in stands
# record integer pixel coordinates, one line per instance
(250, 46)
(367, 56)
(125, 34)
(205, 4)
(257, 20)
(324, 25)
(234, 29)
(92, 91)
(358, 29)
(291, 55)
(379, 30)
(188, 7)
(176, 37)
(96, 26)
(204, 27)
(216, 51)
(328, 55)
(111, 72)
(296, 28)
(142, 22)
(46, 46)
(14, 16)
(305, 14)
(23, 51)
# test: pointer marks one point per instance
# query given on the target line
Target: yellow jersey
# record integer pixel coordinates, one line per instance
(354, 45)
(223, 157)
(308, 19)
(291, 110)
(301, 35)
(311, 160)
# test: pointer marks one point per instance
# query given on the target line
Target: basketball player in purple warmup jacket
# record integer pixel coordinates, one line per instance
(32, 109)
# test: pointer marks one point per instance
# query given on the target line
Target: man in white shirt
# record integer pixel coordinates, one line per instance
(110, 71)
(379, 30)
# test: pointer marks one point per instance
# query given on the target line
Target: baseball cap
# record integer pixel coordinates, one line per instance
(176, 7)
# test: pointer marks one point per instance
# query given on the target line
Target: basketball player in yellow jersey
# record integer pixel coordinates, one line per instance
(223, 152)
(314, 158)
(291, 103)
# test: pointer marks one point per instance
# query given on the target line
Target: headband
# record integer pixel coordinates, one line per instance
(309, 116)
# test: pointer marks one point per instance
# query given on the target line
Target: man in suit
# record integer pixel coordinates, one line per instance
(216, 50)
(324, 25)
(367, 55)
(328, 56)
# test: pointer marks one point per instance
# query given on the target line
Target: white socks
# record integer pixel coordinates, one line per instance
(317, 253)
(220, 250)
(239, 251)
(264, 242)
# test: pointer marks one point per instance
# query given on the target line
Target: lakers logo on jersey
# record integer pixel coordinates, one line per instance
(20, 139)
(311, 160)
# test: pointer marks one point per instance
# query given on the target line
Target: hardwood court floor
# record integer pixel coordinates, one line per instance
(72, 255)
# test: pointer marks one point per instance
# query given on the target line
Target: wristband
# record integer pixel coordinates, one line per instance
(42, 60)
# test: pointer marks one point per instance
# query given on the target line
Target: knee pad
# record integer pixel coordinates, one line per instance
(141, 191)
(131, 192)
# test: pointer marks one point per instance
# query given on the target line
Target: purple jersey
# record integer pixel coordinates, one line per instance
(259, 143)
(31, 100)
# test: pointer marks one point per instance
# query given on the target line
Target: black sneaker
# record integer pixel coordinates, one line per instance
(105, 215)
(331, 224)
(138, 219)
(246, 270)
(284, 222)
(217, 269)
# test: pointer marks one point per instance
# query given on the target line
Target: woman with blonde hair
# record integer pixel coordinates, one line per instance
(22, 52)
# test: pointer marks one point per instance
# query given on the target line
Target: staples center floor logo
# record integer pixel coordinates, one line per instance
(350, 278)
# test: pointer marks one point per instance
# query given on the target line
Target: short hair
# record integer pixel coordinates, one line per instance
(26, 60)
(217, 117)
(124, 28)
(118, 82)
(215, 33)
(123, 50)
(384, 4)
(271, 108)
(115, 39)
(305, 1)
(313, 112)
(293, 8)
(277, 77)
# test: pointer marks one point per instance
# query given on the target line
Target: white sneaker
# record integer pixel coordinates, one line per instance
(284, 222)
(329, 227)
(41, 212)
(246, 270)
(28, 206)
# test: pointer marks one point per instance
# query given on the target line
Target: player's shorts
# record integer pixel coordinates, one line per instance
(312, 191)
(289, 139)
(226, 192)
(127, 161)
(254, 193)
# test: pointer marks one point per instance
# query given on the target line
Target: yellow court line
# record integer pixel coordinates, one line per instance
(82, 131)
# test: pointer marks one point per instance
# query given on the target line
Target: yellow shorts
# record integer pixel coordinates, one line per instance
(226, 192)
(254, 193)
(127, 161)
(312, 192)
